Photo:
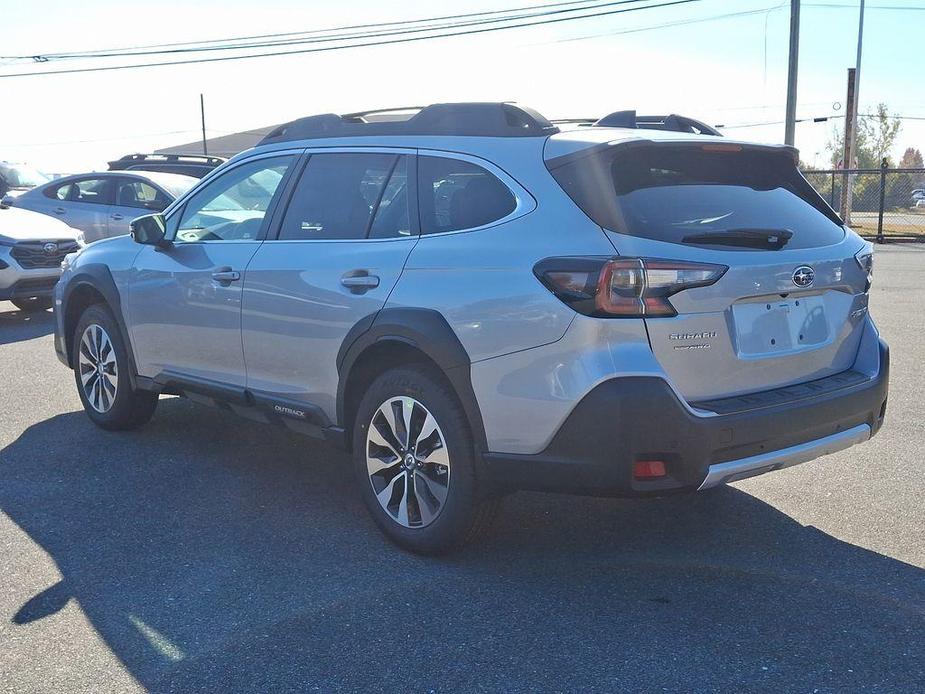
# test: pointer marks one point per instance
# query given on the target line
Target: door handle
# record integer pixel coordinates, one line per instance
(359, 283)
(226, 276)
(60, 210)
(117, 216)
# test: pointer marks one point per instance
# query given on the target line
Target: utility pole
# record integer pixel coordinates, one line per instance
(790, 128)
(851, 120)
(848, 152)
(202, 111)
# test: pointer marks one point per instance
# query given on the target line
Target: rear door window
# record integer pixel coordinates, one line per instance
(91, 190)
(133, 193)
(60, 192)
(730, 199)
(456, 194)
(349, 195)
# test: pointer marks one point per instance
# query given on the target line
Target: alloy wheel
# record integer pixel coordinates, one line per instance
(99, 372)
(407, 462)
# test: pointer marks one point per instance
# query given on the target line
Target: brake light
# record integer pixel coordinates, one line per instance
(865, 258)
(721, 148)
(623, 287)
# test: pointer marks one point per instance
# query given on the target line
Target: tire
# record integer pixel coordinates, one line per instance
(444, 463)
(107, 395)
(33, 304)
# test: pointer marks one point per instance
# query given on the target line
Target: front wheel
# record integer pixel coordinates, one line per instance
(33, 304)
(101, 370)
(416, 464)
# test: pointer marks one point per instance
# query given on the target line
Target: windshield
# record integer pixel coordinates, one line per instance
(22, 176)
(729, 198)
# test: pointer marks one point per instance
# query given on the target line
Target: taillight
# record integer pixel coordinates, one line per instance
(623, 287)
(865, 258)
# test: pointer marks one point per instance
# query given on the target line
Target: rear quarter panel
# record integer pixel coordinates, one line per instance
(482, 281)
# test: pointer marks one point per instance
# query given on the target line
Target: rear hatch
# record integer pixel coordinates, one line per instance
(791, 305)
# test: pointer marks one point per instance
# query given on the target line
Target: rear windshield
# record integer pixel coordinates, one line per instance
(728, 199)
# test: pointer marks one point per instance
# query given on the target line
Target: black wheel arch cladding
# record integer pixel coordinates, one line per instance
(98, 277)
(425, 330)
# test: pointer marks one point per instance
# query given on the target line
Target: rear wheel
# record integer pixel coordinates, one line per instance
(33, 304)
(416, 464)
(101, 370)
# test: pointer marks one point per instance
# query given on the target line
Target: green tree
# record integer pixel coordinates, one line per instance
(912, 159)
(877, 133)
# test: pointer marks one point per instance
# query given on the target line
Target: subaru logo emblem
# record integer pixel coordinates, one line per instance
(803, 276)
(50, 248)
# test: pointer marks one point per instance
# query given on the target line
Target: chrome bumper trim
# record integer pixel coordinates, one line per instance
(775, 460)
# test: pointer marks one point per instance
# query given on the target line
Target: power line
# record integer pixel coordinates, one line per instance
(106, 139)
(325, 49)
(312, 37)
(666, 25)
(911, 8)
(815, 119)
(378, 33)
(314, 32)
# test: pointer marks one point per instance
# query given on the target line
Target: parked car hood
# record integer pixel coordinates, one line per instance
(25, 225)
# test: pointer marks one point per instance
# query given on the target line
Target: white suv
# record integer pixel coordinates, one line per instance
(32, 247)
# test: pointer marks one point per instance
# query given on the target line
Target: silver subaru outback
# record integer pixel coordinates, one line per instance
(472, 301)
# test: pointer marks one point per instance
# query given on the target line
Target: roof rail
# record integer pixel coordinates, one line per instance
(197, 158)
(488, 119)
(628, 119)
(397, 113)
(673, 122)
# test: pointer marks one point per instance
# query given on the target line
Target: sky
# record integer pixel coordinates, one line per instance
(722, 70)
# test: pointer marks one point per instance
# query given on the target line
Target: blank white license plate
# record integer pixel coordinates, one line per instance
(784, 325)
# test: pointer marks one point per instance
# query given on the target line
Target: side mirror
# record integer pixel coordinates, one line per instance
(150, 230)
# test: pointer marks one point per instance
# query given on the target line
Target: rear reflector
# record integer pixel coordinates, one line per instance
(649, 469)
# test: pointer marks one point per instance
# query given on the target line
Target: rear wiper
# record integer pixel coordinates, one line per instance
(770, 239)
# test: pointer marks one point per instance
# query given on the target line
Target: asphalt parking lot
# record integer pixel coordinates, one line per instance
(206, 553)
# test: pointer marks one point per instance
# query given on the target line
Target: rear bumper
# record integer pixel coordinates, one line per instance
(629, 419)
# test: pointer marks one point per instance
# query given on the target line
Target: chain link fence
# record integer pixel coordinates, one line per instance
(885, 204)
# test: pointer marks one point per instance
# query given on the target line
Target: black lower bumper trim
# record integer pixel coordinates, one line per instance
(30, 287)
(626, 420)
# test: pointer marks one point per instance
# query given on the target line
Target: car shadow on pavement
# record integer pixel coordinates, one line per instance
(18, 326)
(213, 554)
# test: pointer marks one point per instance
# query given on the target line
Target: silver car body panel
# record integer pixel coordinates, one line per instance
(97, 221)
(754, 329)
(296, 303)
(532, 357)
(526, 396)
(183, 320)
